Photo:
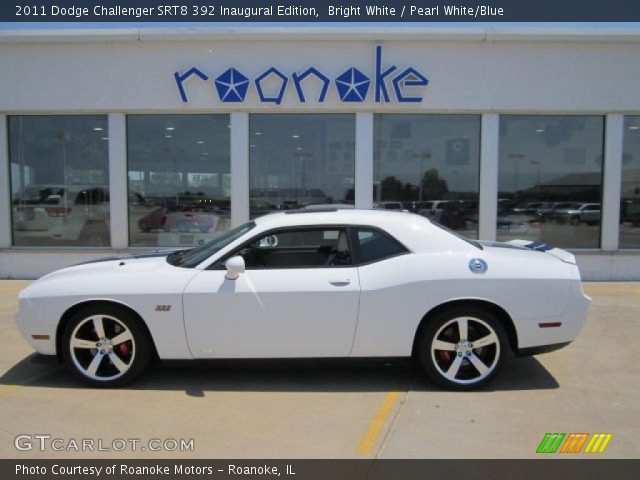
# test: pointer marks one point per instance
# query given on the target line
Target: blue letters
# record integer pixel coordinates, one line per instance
(297, 81)
(381, 86)
(410, 78)
(352, 85)
(181, 78)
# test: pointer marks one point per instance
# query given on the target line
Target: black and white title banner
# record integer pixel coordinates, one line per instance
(320, 11)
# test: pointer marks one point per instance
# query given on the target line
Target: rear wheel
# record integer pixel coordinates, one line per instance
(462, 348)
(106, 346)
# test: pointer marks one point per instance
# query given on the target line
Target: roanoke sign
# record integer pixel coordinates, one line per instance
(352, 85)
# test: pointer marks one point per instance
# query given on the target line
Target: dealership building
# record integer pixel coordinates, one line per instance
(123, 140)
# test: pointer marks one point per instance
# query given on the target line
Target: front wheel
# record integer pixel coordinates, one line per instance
(462, 348)
(106, 346)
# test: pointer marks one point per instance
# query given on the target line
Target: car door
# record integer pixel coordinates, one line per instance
(298, 297)
(591, 213)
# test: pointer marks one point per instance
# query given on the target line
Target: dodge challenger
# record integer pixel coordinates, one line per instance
(298, 284)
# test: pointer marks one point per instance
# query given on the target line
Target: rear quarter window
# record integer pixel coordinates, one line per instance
(374, 245)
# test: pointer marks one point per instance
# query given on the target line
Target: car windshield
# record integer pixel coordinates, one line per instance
(189, 258)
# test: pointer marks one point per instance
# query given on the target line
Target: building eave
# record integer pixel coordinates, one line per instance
(322, 33)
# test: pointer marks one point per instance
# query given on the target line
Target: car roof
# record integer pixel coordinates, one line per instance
(410, 229)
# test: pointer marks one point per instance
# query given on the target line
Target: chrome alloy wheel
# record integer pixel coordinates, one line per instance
(102, 347)
(465, 350)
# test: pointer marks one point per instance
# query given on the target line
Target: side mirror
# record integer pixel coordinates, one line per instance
(235, 266)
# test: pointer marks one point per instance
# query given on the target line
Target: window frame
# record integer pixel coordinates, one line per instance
(219, 264)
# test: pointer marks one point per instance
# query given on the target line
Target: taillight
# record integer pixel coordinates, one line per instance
(58, 211)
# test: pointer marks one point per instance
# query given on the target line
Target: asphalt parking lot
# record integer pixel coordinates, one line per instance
(340, 409)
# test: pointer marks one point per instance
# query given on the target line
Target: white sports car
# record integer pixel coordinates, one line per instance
(326, 283)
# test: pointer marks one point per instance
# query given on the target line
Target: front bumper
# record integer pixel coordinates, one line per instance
(39, 333)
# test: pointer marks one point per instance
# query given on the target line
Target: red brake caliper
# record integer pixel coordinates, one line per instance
(445, 355)
(124, 349)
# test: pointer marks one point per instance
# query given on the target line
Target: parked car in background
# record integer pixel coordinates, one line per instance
(532, 208)
(433, 209)
(525, 226)
(65, 213)
(416, 206)
(577, 213)
(183, 218)
(388, 206)
(455, 214)
(630, 212)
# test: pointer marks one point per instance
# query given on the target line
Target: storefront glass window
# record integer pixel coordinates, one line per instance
(430, 165)
(179, 179)
(298, 160)
(630, 187)
(550, 179)
(59, 180)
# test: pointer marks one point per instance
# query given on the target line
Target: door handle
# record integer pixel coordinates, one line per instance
(340, 283)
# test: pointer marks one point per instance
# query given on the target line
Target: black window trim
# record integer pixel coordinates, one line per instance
(356, 245)
(219, 264)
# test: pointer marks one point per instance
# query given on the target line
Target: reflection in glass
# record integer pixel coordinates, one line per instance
(550, 179)
(429, 164)
(298, 160)
(59, 180)
(630, 187)
(179, 179)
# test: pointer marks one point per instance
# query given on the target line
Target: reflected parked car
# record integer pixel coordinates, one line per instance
(181, 218)
(520, 224)
(388, 206)
(630, 212)
(416, 206)
(577, 213)
(71, 213)
(454, 214)
(433, 209)
(527, 208)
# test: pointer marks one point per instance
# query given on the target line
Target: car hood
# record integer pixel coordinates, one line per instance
(135, 262)
(535, 248)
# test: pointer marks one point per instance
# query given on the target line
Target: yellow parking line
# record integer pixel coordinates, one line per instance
(4, 389)
(375, 427)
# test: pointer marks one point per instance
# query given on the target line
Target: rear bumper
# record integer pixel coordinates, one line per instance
(551, 333)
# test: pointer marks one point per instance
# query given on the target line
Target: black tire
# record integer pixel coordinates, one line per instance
(142, 349)
(575, 221)
(434, 368)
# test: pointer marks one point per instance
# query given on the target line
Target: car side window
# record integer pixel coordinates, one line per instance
(374, 245)
(304, 248)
